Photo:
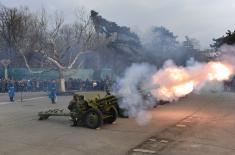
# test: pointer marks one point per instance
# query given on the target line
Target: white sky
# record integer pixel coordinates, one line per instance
(201, 19)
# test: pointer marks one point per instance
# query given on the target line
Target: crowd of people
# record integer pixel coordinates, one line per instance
(23, 85)
(42, 85)
(88, 85)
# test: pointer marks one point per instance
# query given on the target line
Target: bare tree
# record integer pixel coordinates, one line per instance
(5, 63)
(59, 43)
(65, 43)
(20, 32)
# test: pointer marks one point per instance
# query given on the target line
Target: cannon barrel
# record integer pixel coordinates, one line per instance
(114, 98)
(108, 97)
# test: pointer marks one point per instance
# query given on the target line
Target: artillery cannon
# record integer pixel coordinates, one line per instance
(96, 112)
(113, 99)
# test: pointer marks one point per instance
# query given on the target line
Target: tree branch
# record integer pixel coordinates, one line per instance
(27, 64)
(56, 63)
(75, 59)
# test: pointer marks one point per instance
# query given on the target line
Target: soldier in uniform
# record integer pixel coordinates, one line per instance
(52, 91)
(11, 90)
(77, 107)
(107, 92)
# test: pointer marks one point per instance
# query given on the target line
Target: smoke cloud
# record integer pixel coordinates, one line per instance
(173, 82)
(136, 79)
(227, 53)
(176, 81)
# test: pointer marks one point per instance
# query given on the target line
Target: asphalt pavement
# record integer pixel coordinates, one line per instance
(195, 125)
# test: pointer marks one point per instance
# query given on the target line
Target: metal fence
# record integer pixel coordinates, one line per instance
(23, 73)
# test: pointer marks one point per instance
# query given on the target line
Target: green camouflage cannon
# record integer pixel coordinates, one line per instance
(43, 115)
(97, 112)
(112, 99)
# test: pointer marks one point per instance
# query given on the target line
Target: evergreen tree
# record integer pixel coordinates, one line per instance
(228, 39)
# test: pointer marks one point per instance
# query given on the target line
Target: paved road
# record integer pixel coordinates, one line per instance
(4, 99)
(209, 130)
(198, 124)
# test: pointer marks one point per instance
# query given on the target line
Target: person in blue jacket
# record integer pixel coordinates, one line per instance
(11, 90)
(29, 85)
(52, 91)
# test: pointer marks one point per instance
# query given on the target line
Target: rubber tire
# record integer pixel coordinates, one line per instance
(120, 111)
(113, 111)
(162, 102)
(99, 122)
(43, 117)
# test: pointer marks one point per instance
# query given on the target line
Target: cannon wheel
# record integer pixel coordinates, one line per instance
(43, 117)
(114, 114)
(121, 112)
(93, 118)
(162, 102)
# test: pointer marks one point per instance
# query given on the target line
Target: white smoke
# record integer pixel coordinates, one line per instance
(177, 81)
(227, 53)
(136, 78)
(174, 82)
